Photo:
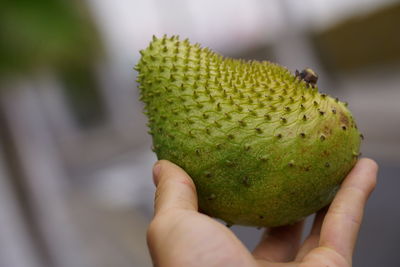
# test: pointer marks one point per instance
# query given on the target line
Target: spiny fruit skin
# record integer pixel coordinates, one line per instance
(263, 147)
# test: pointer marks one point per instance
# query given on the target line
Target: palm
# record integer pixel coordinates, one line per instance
(181, 236)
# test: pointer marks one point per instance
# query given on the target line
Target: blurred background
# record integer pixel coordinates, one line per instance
(75, 158)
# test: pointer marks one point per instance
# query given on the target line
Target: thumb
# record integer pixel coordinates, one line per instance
(175, 189)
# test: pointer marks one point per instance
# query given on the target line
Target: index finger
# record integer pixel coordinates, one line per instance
(342, 222)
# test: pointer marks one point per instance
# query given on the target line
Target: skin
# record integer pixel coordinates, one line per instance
(181, 236)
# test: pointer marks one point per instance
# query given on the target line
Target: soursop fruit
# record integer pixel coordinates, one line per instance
(262, 145)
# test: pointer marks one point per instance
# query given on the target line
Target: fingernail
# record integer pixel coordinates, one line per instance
(156, 172)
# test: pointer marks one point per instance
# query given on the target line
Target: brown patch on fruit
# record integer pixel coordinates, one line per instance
(327, 130)
(304, 150)
(306, 168)
(344, 119)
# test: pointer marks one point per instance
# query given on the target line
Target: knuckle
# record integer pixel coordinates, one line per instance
(153, 229)
(157, 195)
(345, 214)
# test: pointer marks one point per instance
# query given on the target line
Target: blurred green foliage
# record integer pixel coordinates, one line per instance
(55, 35)
(362, 42)
(81, 92)
(45, 33)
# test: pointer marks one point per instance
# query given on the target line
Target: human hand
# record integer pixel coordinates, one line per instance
(181, 236)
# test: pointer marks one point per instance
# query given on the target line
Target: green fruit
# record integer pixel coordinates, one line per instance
(262, 145)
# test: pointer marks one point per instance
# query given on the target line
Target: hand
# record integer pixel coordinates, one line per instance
(180, 236)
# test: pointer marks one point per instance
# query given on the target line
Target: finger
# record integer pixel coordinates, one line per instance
(175, 189)
(280, 244)
(342, 222)
(312, 240)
